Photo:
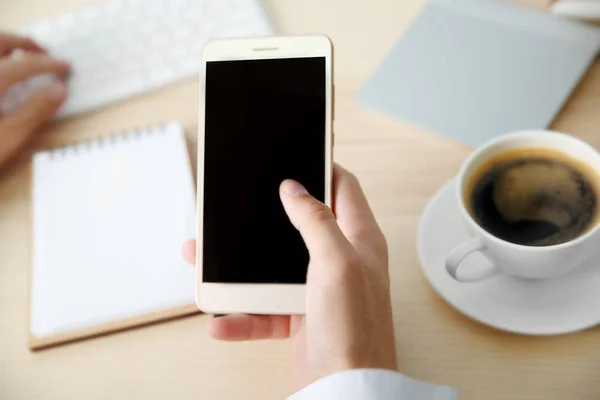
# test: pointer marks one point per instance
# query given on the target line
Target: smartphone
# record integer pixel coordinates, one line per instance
(265, 116)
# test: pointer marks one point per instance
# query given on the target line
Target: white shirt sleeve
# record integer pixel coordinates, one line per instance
(373, 384)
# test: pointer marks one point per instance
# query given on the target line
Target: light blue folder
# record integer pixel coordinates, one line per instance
(475, 69)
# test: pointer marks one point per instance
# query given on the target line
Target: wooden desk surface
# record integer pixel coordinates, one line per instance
(177, 360)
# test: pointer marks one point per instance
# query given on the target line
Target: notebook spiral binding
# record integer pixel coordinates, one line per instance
(106, 141)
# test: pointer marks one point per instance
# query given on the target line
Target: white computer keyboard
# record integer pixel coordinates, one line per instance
(123, 48)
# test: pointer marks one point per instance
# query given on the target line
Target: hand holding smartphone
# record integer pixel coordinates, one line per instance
(348, 322)
(265, 116)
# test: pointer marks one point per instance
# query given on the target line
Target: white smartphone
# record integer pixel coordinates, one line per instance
(265, 116)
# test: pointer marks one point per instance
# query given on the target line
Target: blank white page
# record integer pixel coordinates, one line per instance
(109, 220)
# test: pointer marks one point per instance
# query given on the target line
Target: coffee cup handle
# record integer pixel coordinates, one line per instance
(459, 253)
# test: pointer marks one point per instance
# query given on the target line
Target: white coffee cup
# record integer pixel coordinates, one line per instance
(534, 262)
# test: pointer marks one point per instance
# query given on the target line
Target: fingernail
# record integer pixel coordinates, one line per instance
(293, 188)
(56, 92)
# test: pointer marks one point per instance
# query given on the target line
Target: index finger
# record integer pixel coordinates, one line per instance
(9, 42)
(189, 251)
(240, 327)
(13, 70)
(352, 210)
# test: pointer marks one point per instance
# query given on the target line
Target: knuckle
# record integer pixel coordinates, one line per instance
(320, 212)
(30, 61)
(382, 243)
(351, 178)
(39, 61)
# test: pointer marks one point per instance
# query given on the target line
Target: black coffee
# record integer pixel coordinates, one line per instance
(533, 197)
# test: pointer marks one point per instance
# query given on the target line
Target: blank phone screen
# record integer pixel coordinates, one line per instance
(264, 123)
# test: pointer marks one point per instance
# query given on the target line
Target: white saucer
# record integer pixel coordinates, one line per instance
(534, 307)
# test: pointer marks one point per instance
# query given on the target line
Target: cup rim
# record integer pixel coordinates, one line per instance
(494, 142)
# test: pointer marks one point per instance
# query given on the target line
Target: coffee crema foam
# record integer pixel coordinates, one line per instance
(534, 197)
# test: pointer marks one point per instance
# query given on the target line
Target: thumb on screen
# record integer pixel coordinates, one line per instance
(315, 222)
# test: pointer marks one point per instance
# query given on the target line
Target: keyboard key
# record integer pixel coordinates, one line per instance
(101, 42)
(160, 76)
(153, 60)
(135, 49)
(178, 52)
(128, 67)
(146, 27)
(184, 32)
(189, 66)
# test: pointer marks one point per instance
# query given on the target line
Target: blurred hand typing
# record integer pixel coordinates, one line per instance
(21, 126)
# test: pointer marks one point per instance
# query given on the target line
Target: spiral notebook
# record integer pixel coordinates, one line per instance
(109, 219)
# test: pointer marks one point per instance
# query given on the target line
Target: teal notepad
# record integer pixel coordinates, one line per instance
(475, 69)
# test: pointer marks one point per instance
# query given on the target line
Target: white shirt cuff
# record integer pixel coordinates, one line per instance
(373, 384)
